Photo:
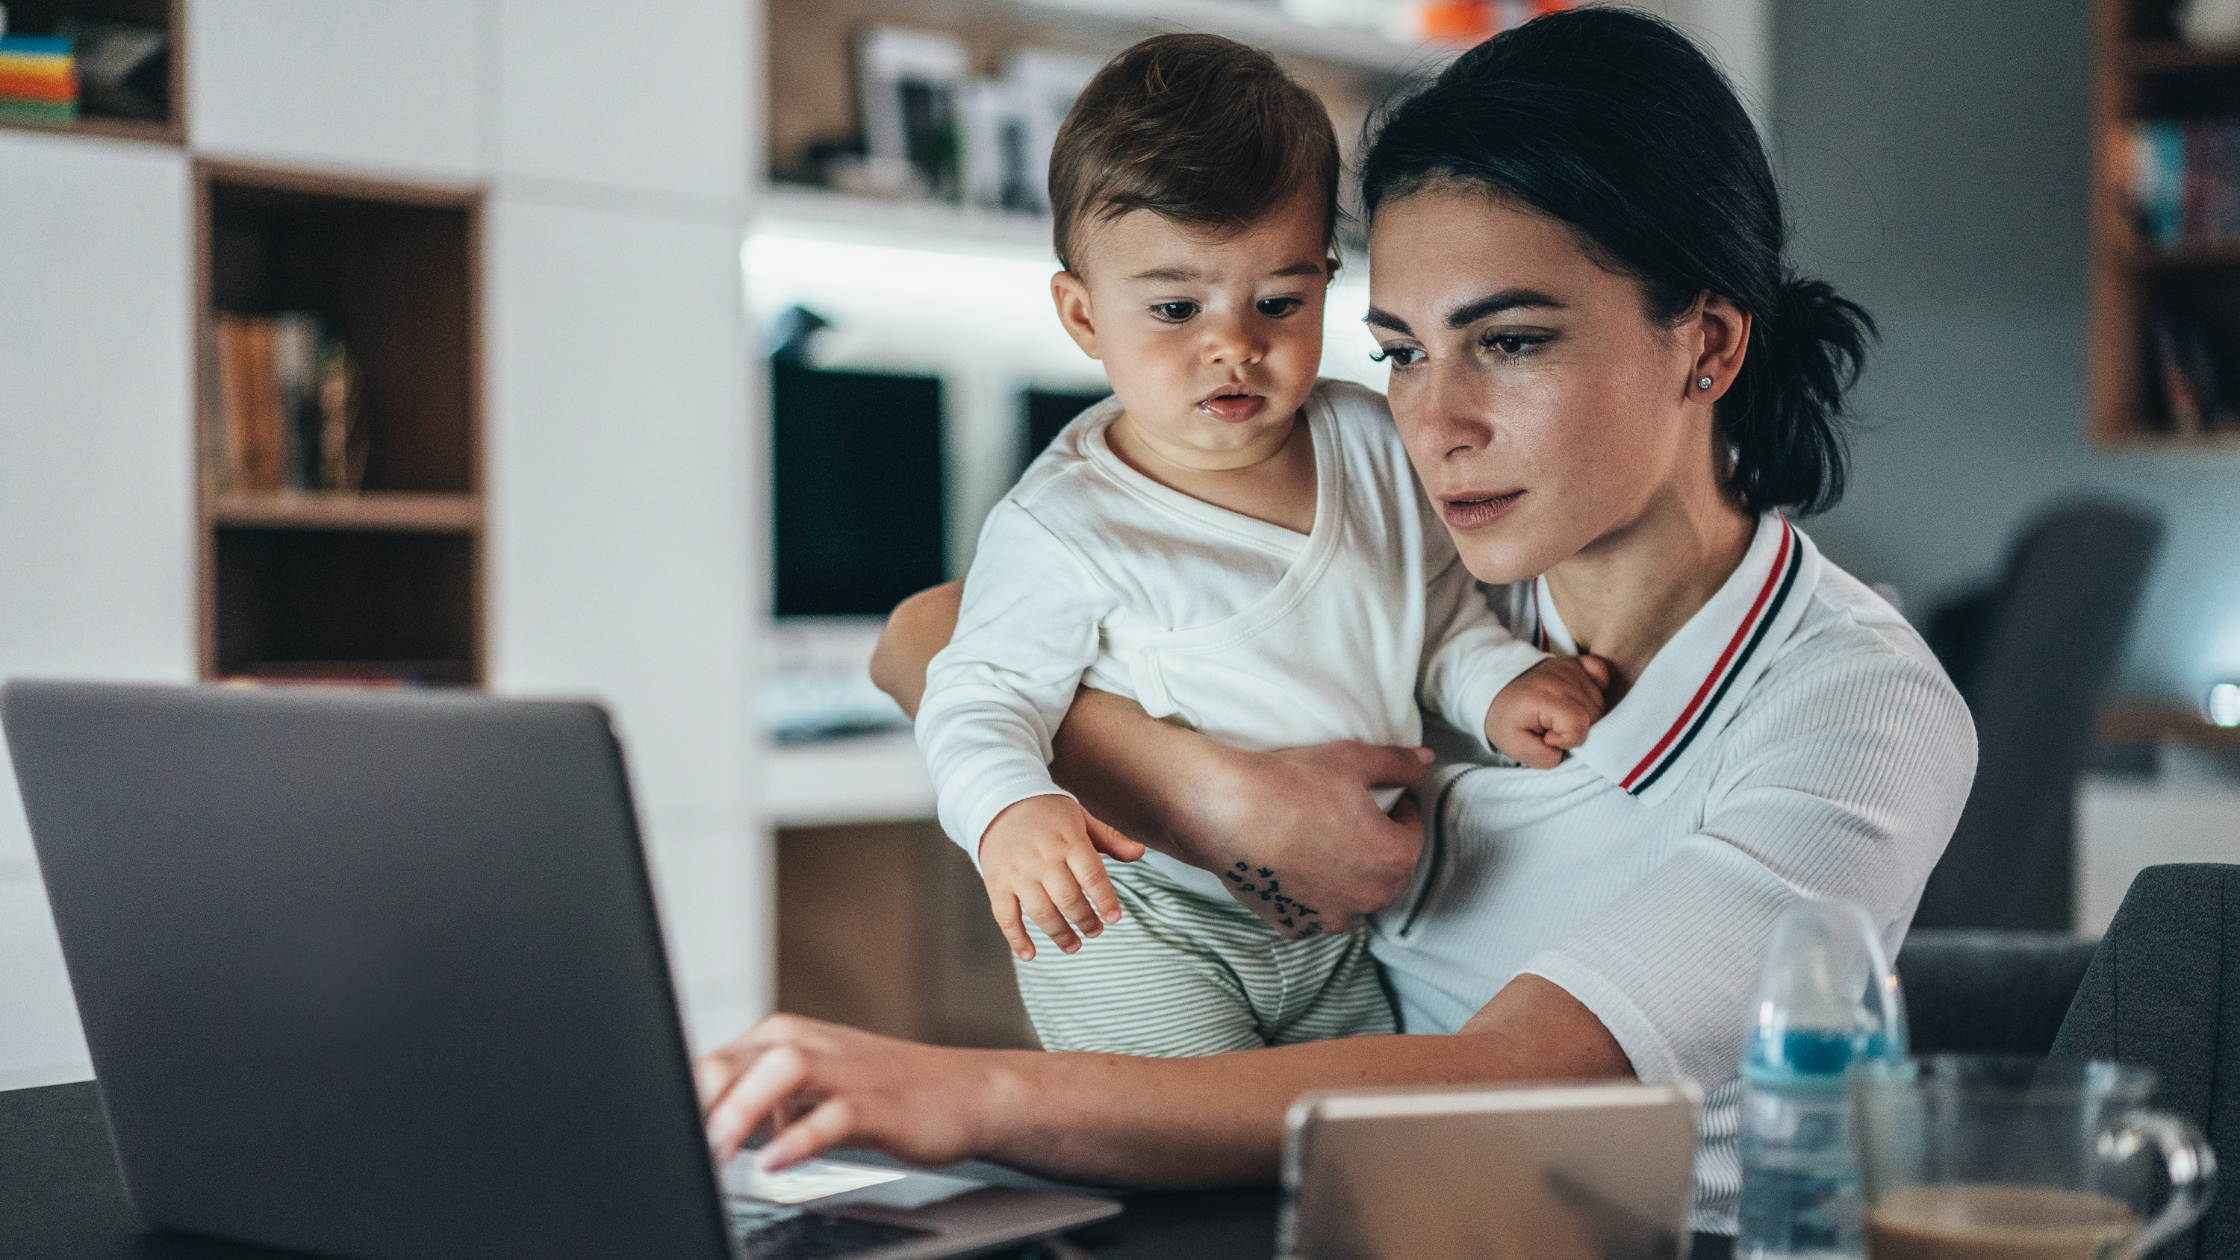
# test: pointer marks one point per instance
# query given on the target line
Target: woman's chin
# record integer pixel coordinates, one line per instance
(1517, 547)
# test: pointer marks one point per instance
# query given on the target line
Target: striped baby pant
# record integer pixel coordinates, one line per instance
(1183, 975)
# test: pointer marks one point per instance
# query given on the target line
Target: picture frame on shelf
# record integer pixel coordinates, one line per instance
(1045, 83)
(912, 83)
(997, 166)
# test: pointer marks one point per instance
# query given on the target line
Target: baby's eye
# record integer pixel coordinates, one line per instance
(1175, 312)
(1398, 356)
(1278, 307)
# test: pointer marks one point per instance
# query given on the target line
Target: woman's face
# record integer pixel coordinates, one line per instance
(1543, 408)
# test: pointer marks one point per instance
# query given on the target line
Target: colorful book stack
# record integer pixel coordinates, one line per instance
(38, 80)
(2186, 181)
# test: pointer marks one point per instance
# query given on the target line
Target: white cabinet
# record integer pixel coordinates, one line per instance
(96, 486)
(650, 97)
(368, 86)
(626, 542)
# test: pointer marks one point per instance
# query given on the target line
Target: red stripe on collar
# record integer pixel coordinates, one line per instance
(1742, 632)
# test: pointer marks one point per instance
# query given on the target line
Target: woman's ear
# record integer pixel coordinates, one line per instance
(1723, 331)
(1071, 294)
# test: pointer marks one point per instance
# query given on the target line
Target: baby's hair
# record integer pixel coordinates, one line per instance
(1200, 130)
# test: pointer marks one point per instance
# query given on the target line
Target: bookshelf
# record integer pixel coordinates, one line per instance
(2144, 70)
(160, 84)
(382, 581)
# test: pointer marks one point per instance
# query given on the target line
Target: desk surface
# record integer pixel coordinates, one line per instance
(60, 1199)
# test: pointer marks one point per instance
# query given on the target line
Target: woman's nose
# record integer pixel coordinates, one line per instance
(1444, 416)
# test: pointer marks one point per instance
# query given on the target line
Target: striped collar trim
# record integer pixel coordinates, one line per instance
(1698, 678)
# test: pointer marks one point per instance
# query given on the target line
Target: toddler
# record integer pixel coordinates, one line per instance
(1235, 545)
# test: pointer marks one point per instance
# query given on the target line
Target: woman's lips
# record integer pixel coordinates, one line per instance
(1232, 408)
(1474, 511)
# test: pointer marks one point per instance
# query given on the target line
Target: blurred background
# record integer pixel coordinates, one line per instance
(651, 352)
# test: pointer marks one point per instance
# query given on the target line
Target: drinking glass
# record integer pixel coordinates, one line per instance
(1995, 1158)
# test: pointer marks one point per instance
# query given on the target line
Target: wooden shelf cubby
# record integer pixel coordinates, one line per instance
(383, 584)
(45, 17)
(2144, 70)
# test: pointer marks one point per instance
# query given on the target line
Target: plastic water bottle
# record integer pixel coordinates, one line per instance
(1828, 1000)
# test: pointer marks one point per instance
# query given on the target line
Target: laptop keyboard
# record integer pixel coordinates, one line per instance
(768, 1231)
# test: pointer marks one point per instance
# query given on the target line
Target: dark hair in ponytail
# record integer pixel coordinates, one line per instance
(1613, 122)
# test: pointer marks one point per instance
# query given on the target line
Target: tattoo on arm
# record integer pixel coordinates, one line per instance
(1296, 917)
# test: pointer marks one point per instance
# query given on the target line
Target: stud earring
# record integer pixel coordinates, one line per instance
(1703, 382)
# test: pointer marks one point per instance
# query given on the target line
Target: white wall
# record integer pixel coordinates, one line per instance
(626, 502)
(96, 488)
(626, 499)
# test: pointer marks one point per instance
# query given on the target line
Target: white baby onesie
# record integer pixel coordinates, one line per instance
(1089, 572)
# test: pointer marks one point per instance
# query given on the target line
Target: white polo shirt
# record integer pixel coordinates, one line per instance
(1795, 737)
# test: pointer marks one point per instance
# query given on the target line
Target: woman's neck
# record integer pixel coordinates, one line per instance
(1625, 595)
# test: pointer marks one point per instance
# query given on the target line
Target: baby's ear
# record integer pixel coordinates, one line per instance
(1070, 293)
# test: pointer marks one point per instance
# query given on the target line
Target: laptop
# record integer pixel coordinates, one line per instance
(379, 975)
(1563, 1172)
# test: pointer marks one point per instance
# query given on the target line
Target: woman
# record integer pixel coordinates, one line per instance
(1610, 386)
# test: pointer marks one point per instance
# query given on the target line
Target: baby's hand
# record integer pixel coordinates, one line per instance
(1039, 858)
(1547, 709)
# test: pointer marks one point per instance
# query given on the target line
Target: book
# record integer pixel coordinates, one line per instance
(36, 85)
(284, 404)
(342, 446)
(2180, 403)
(36, 45)
(44, 113)
(249, 399)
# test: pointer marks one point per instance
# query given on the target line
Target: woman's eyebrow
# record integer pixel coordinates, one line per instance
(1493, 304)
(1388, 321)
(1470, 312)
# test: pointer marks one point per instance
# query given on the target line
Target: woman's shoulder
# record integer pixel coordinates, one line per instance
(1854, 661)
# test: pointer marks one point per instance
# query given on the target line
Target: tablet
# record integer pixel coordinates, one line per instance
(1598, 1171)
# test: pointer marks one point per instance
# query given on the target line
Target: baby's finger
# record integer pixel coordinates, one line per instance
(1064, 887)
(1597, 670)
(1045, 915)
(1110, 842)
(1535, 752)
(1567, 727)
(1096, 885)
(1006, 909)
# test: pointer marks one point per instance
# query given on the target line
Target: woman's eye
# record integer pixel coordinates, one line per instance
(1175, 312)
(1514, 344)
(1398, 356)
(1277, 308)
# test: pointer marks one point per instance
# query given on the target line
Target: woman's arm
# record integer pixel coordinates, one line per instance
(1305, 814)
(1108, 1118)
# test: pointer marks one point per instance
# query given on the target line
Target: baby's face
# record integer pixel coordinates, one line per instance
(1211, 343)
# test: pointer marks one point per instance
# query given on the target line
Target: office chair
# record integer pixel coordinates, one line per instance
(1987, 991)
(2163, 992)
(2031, 658)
